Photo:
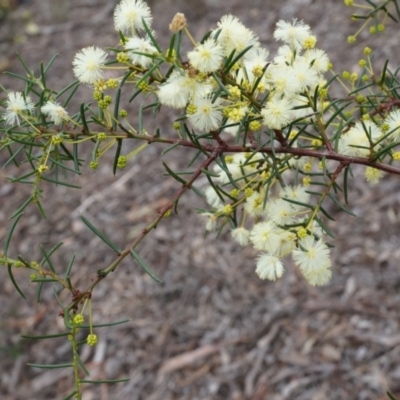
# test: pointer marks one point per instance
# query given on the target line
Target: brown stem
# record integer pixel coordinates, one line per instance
(280, 138)
(124, 253)
(296, 151)
(326, 191)
(252, 139)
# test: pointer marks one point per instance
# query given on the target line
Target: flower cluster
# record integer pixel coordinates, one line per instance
(278, 224)
(17, 106)
(282, 86)
(228, 88)
(230, 85)
(296, 70)
(229, 82)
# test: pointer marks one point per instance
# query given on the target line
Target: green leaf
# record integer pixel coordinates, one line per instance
(118, 97)
(11, 231)
(41, 337)
(173, 174)
(197, 191)
(334, 115)
(168, 149)
(22, 178)
(193, 139)
(12, 159)
(384, 150)
(117, 154)
(62, 165)
(57, 182)
(24, 65)
(10, 274)
(47, 258)
(314, 104)
(40, 287)
(43, 280)
(68, 272)
(103, 237)
(74, 86)
(42, 75)
(26, 263)
(216, 188)
(397, 8)
(324, 228)
(178, 47)
(299, 203)
(391, 397)
(359, 89)
(124, 321)
(18, 76)
(340, 205)
(237, 58)
(151, 37)
(80, 362)
(258, 80)
(221, 163)
(70, 396)
(50, 366)
(40, 208)
(198, 152)
(134, 95)
(389, 14)
(140, 119)
(210, 173)
(83, 118)
(58, 299)
(150, 71)
(30, 144)
(67, 154)
(180, 173)
(122, 37)
(220, 84)
(151, 105)
(345, 184)
(31, 89)
(171, 45)
(142, 263)
(327, 215)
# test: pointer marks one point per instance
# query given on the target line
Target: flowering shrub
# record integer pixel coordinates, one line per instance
(273, 143)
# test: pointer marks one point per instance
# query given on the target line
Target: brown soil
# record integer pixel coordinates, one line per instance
(212, 330)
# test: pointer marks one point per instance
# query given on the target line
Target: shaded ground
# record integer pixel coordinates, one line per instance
(212, 330)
